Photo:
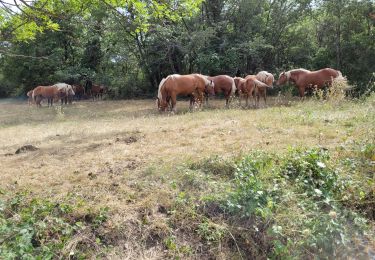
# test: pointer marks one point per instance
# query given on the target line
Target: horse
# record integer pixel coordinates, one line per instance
(304, 79)
(49, 92)
(247, 87)
(30, 97)
(67, 92)
(267, 78)
(174, 85)
(79, 90)
(97, 91)
(223, 84)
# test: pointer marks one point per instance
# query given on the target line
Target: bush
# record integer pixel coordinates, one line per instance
(43, 229)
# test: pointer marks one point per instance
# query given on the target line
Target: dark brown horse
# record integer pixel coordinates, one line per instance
(97, 91)
(304, 79)
(223, 84)
(174, 85)
(79, 90)
(48, 92)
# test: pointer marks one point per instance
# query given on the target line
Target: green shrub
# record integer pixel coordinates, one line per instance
(40, 228)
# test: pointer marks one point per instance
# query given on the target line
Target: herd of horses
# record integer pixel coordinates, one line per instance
(63, 92)
(199, 87)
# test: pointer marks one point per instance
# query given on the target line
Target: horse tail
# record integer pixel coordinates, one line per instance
(233, 90)
(261, 84)
(339, 75)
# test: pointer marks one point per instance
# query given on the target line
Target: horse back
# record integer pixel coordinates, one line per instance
(222, 83)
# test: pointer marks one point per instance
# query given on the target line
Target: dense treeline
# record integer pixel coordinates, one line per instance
(131, 45)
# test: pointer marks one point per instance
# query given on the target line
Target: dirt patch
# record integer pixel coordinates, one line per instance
(26, 148)
(127, 140)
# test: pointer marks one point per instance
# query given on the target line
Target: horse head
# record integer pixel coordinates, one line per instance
(210, 88)
(283, 78)
(70, 91)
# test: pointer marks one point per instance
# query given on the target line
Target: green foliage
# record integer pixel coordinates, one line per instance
(132, 45)
(304, 186)
(41, 228)
(309, 171)
(211, 232)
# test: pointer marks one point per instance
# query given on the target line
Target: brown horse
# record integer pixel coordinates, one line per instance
(174, 85)
(249, 86)
(223, 84)
(79, 90)
(48, 92)
(97, 91)
(268, 79)
(304, 79)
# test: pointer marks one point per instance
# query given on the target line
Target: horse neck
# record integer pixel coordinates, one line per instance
(294, 75)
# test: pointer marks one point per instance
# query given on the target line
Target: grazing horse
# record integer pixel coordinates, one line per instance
(249, 86)
(268, 79)
(48, 92)
(79, 90)
(174, 85)
(30, 97)
(223, 84)
(304, 79)
(97, 91)
(67, 92)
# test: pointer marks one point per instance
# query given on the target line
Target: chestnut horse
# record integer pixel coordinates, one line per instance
(268, 79)
(249, 86)
(48, 92)
(174, 85)
(223, 84)
(304, 79)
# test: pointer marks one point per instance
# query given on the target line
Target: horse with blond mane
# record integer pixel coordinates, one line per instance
(247, 87)
(174, 85)
(304, 79)
(48, 92)
(268, 79)
(67, 92)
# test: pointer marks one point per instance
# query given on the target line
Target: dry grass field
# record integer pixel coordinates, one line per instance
(127, 157)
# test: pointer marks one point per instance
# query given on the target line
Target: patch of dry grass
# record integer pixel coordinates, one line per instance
(125, 155)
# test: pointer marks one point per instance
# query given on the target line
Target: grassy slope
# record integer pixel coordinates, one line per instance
(124, 155)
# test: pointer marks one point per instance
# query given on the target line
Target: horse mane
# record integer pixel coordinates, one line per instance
(233, 90)
(205, 78)
(159, 89)
(263, 75)
(288, 74)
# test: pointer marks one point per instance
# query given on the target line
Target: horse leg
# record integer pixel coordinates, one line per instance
(247, 100)
(265, 99)
(201, 100)
(173, 99)
(191, 104)
(301, 91)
